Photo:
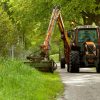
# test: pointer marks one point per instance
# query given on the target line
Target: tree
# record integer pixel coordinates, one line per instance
(88, 10)
(6, 32)
(30, 18)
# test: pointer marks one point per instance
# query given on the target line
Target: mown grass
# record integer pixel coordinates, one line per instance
(21, 82)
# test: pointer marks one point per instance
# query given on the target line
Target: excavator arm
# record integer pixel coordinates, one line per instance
(42, 62)
(55, 17)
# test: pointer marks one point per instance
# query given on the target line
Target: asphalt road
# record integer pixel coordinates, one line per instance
(80, 86)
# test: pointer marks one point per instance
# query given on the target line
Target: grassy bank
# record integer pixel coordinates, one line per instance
(21, 82)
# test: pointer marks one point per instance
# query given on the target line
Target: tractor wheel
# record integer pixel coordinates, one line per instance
(98, 68)
(67, 67)
(74, 62)
(62, 63)
(51, 70)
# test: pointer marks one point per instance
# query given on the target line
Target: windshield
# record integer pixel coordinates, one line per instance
(87, 35)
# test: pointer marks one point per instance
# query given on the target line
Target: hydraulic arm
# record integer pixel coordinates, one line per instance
(55, 17)
(43, 58)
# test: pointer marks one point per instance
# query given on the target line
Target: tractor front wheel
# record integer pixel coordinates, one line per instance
(98, 68)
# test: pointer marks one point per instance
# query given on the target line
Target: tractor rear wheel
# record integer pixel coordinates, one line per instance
(62, 63)
(98, 68)
(74, 62)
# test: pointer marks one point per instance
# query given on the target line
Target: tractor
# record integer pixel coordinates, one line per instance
(84, 49)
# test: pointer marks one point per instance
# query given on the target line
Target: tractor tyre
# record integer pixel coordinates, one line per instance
(74, 62)
(62, 63)
(51, 70)
(67, 67)
(98, 68)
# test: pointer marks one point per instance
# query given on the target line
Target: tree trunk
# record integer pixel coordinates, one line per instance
(97, 20)
(89, 18)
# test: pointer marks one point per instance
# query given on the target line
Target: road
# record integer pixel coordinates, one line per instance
(80, 86)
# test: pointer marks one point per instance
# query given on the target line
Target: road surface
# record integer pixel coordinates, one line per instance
(80, 86)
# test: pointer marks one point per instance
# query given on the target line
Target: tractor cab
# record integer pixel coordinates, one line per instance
(86, 39)
(86, 33)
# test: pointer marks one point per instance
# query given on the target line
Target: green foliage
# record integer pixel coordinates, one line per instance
(55, 57)
(25, 22)
(87, 10)
(21, 82)
(6, 32)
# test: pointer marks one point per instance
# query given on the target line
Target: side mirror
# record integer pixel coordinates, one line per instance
(69, 34)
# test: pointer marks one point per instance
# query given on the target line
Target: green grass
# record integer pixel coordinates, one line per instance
(21, 82)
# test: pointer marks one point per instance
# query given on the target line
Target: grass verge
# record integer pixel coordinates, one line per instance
(21, 82)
